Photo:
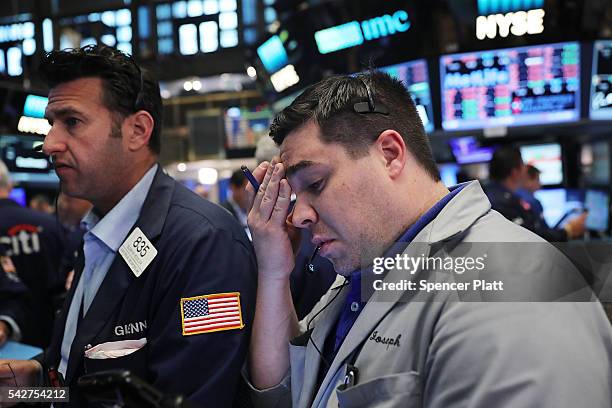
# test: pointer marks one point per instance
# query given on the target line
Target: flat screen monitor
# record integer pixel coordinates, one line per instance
(547, 159)
(598, 204)
(18, 195)
(35, 106)
(24, 162)
(601, 81)
(448, 173)
(467, 150)
(272, 54)
(595, 163)
(414, 75)
(559, 203)
(511, 87)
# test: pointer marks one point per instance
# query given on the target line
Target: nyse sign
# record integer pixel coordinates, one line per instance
(516, 23)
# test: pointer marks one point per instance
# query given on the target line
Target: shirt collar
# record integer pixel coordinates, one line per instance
(115, 225)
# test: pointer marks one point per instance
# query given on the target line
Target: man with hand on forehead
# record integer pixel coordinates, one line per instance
(354, 152)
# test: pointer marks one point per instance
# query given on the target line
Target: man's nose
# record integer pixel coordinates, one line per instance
(303, 214)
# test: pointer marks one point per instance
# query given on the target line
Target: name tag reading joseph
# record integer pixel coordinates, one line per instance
(137, 251)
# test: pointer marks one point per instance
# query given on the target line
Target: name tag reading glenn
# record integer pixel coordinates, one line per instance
(137, 251)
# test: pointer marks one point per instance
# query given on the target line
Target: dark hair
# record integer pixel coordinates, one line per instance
(532, 171)
(330, 102)
(238, 178)
(504, 160)
(127, 88)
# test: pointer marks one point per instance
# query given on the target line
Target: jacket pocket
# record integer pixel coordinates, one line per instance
(136, 362)
(390, 391)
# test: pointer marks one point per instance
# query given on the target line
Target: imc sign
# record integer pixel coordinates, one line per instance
(356, 32)
(505, 17)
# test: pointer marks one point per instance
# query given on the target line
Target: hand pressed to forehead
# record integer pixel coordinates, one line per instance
(269, 206)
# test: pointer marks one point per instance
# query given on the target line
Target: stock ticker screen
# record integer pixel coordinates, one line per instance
(510, 87)
(414, 75)
(601, 82)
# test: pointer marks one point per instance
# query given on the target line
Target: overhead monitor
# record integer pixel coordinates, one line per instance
(415, 76)
(35, 106)
(24, 162)
(244, 128)
(468, 150)
(511, 87)
(598, 204)
(547, 159)
(601, 81)
(272, 54)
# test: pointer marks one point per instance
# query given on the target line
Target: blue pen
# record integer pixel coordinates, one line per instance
(250, 177)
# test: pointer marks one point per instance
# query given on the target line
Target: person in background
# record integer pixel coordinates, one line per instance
(42, 203)
(507, 174)
(13, 300)
(236, 203)
(70, 212)
(166, 280)
(531, 184)
(35, 246)
(202, 191)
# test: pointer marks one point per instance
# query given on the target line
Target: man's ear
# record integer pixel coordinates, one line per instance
(392, 150)
(140, 127)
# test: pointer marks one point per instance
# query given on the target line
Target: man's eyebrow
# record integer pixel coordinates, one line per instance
(291, 170)
(60, 112)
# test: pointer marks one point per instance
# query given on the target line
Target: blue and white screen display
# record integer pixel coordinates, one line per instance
(415, 76)
(272, 54)
(547, 159)
(598, 204)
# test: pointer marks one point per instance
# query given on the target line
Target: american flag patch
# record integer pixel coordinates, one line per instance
(211, 313)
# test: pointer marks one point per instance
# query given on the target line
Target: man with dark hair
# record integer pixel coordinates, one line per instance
(164, 282)
(508, 174)
(236, 204)
(354, 152)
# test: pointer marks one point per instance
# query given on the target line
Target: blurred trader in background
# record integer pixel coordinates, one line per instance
(237, 203)
(42, 203)
(70, 212)
(507, 174)
(161, 267)
(355, 153)
(35, 247)
(13, 300)
(531, 184)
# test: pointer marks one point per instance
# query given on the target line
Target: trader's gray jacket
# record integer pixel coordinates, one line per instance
(436, 350)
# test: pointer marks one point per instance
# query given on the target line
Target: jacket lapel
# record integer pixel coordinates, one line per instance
(321, 330)
(119, 275)
(52, 358)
